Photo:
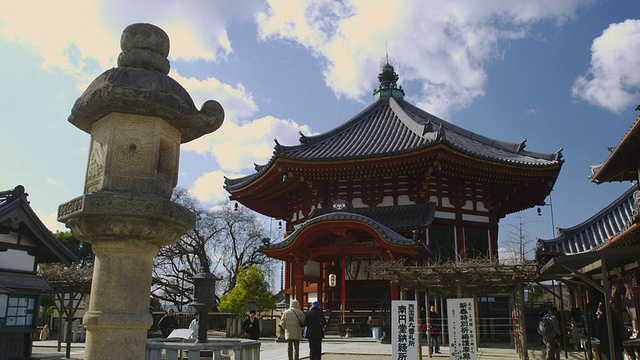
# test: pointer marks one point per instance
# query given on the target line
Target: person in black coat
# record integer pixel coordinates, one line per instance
(251, 327)
(315, 322)
(602, 333)
(434, 322)
(168, 323)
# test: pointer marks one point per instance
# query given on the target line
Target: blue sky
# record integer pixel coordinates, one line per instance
(561, 74)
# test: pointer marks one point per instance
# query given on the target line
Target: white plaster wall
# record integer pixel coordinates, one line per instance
(404, 200)
(9, 238)
(357, 203)
(16, 260)
(386, 201)
(312, 268)
(476, 218)
(313, 296)
(445, 215)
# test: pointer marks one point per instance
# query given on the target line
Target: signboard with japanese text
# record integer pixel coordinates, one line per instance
(462, 329)
(404, 330)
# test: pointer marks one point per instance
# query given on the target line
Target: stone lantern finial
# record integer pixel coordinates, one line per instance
(138, 116)
(141, 85)
(144, 46)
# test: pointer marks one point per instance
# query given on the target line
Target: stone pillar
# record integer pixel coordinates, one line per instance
(137, 117)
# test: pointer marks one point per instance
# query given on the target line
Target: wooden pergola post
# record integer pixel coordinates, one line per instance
(521, 341)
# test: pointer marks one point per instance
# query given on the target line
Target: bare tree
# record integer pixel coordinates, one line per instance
(518, 244)
(176, 264)
(224, 240)
(242, 235)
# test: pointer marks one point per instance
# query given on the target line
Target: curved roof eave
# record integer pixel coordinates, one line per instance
(386, 234)
(20, 208)
(610, 170)
(571, 235)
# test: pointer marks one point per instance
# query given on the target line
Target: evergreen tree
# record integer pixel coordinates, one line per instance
(250, 285)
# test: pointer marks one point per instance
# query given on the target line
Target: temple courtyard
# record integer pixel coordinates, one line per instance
(334, 348)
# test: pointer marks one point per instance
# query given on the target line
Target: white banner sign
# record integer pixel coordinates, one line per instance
(462, 329)
(404, 330)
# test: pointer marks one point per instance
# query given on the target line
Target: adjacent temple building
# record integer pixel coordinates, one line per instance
(392, 184)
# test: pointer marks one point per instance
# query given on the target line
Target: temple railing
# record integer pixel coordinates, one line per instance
(356, 304)
(238, 349)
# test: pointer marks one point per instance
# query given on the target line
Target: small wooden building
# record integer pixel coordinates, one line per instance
(600, 258)
(25, 242)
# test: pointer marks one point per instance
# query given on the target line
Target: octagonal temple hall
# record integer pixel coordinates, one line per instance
(392, 185)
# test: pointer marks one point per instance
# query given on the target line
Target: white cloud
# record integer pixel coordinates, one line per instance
(237, 102)
(236, 146)
(613, 80)
(81, 37)
(209, 187)
(240, 141)
(51, 221)
(441, 43)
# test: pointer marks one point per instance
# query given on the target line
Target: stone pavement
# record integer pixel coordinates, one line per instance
(332, 348)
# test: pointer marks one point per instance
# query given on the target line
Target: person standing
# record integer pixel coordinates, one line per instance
(292, 322)
(168, 323)
(44, 333)
(549, 328)
(251, 327)
(434, 323)
(315, 322)
(194, 326)
(602, 333)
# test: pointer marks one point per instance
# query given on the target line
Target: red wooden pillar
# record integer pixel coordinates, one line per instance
(323, 276)
(394, 292)
(299, 283)
(287, 272)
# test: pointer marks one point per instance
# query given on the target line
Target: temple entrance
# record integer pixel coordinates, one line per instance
(361, 295)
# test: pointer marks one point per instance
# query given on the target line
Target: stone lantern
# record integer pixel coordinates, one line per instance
(137, 117)
(204, 298)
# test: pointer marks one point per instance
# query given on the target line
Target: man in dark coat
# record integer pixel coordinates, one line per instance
(602, 333)
(168, 323)
(251, 327)
(434, 322)
(315, 322)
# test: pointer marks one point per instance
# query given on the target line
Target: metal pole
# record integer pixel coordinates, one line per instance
(427, 323)
(416, 296)
(563, 322)
(607, 301)
(553, 226)
(441, 312)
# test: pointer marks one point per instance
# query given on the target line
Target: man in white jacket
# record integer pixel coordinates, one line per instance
(194, 326)
(291, 322)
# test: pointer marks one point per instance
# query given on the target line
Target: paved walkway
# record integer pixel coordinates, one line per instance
(333, 348)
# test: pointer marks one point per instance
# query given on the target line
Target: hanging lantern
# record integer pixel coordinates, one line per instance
(332, 280)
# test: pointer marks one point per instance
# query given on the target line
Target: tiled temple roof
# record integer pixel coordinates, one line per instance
(393, 126)
(398, 218)
(621, 165)
(16, 214)
(386, 233)
(593, 233)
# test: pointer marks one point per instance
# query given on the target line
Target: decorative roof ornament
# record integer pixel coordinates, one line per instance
(339, 204)
(140, 84)
(388, 81)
